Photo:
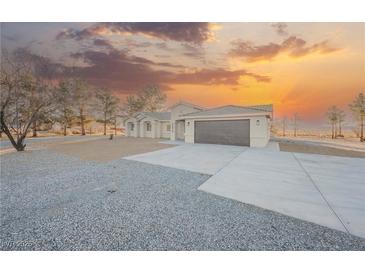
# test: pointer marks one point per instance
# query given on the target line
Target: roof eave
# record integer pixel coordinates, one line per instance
(154, 118)
(227, 115)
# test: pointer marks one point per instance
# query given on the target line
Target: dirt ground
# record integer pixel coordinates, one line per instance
(319, 149)
(103, 150)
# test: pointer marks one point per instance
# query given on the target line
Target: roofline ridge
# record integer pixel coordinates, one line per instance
(186, 103)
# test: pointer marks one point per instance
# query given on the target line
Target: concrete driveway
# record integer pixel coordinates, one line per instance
(326, 190)
(201, 158)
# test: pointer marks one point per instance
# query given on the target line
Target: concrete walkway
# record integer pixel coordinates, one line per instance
(326, 190)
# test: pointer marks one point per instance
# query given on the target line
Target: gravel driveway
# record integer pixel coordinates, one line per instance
(51, 201)
(104, 150)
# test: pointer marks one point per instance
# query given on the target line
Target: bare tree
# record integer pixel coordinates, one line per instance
(150, 98)
(284, 121)
(295, 118)
(341, 118)
(23, 97)
(133, 105)
(81, 96)
(42, 70)
(358, 109)
(64, 105)
(153, 98)
(88, 120)
(114, 119)
(107, 104)
(115, 124)
(332, 116)
(44, 120)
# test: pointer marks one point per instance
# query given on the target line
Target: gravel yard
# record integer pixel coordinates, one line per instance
(46, 141)
(292, 146)
(52, 201)
(103, 149)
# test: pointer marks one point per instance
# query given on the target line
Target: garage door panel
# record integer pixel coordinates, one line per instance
(226, 132)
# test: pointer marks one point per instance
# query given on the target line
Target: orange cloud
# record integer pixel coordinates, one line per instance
(292, 46)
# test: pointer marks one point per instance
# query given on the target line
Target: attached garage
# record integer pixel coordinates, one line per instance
(229, 125)
(225, 132)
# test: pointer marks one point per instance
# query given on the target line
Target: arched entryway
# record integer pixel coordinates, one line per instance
(147, 129)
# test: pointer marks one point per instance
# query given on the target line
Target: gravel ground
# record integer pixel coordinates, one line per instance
(46, 141)
(323, 149)
(105, 150)
(51, 201)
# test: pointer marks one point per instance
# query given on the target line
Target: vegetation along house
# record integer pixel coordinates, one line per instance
(227, 125)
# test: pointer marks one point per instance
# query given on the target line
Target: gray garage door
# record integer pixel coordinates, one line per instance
(229, 132)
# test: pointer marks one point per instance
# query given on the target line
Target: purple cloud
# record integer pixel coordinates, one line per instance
(194, 32)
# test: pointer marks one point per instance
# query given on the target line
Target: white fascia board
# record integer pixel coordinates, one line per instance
(248, 115)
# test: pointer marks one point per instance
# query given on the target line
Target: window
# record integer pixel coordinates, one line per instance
(132, 126)
(168, 128)
(148, 125)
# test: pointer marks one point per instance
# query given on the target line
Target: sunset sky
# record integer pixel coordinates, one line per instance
(298, 67)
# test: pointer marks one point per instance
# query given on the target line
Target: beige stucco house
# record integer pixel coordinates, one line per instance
(229, 125)
(149, 125)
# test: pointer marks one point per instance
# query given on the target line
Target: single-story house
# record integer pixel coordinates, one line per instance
(149, 124)
(228, 125)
